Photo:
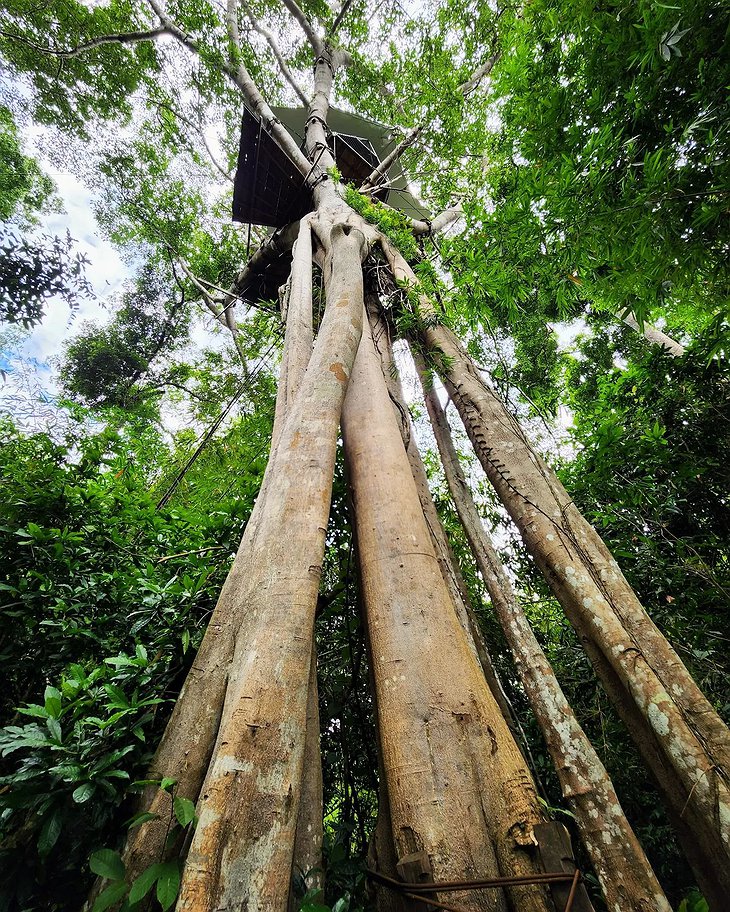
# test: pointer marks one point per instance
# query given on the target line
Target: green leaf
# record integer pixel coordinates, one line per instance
(52, 698)
(167, 783)
(168, 884)
(184, 810)
(107, 863)
(54, 727)
(83, 793)
(50, 831)
(143, 884)
(109, 897)
(141, 818)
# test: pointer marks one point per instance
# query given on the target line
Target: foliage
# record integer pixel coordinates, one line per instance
(106, 366)
(33, 269)
(22, 184)
(104, 599)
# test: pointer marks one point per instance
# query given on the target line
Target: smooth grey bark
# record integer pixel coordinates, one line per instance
(655, 336)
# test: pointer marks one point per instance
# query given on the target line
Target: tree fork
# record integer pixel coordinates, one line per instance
(626, 877)
(457, 784)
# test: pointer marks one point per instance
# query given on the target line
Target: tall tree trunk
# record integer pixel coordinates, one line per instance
(457, 784)
(445, 556)
(187, 744)
(626, 877)
(299, 332)
(298, 341)
(601, 606)
(242, 851)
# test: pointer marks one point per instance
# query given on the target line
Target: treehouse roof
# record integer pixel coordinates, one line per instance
(269, 190)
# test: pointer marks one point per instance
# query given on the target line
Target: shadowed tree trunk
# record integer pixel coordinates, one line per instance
(626, 877)
(457, 784)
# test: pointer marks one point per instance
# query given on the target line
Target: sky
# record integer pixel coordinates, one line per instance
(106, 273)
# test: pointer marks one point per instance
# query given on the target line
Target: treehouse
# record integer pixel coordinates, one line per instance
(268, 189)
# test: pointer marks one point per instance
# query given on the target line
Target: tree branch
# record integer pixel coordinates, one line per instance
(374, 178)
(306, 25)
(428, 227)
(340, 16)
(654, 335)
(199, 129)
(283, 66)
(476, 77)
(120, 38)
(241, 78)
(233, 33)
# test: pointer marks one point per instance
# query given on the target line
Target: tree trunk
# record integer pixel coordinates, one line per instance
(449, 566)
(627, 879)
(605, 612)
(601, 606)
(186, 746)
(457, 784)
(242, 851)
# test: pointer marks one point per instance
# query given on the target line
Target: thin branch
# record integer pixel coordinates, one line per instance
(213, 159)
(306, 25)
(162, 560)
(271, 41)
(376, 175)
(241, 78)
(224, 317)
(340, 16)
(199, 128)
(120, 38)
(476, 77)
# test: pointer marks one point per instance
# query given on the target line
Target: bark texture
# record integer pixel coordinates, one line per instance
(310, 830)
(457, 784)
(242, 851)
(627, 879)
(449, 566)
(673, 714)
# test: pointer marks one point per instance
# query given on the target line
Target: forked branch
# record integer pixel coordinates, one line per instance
(276, 51)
